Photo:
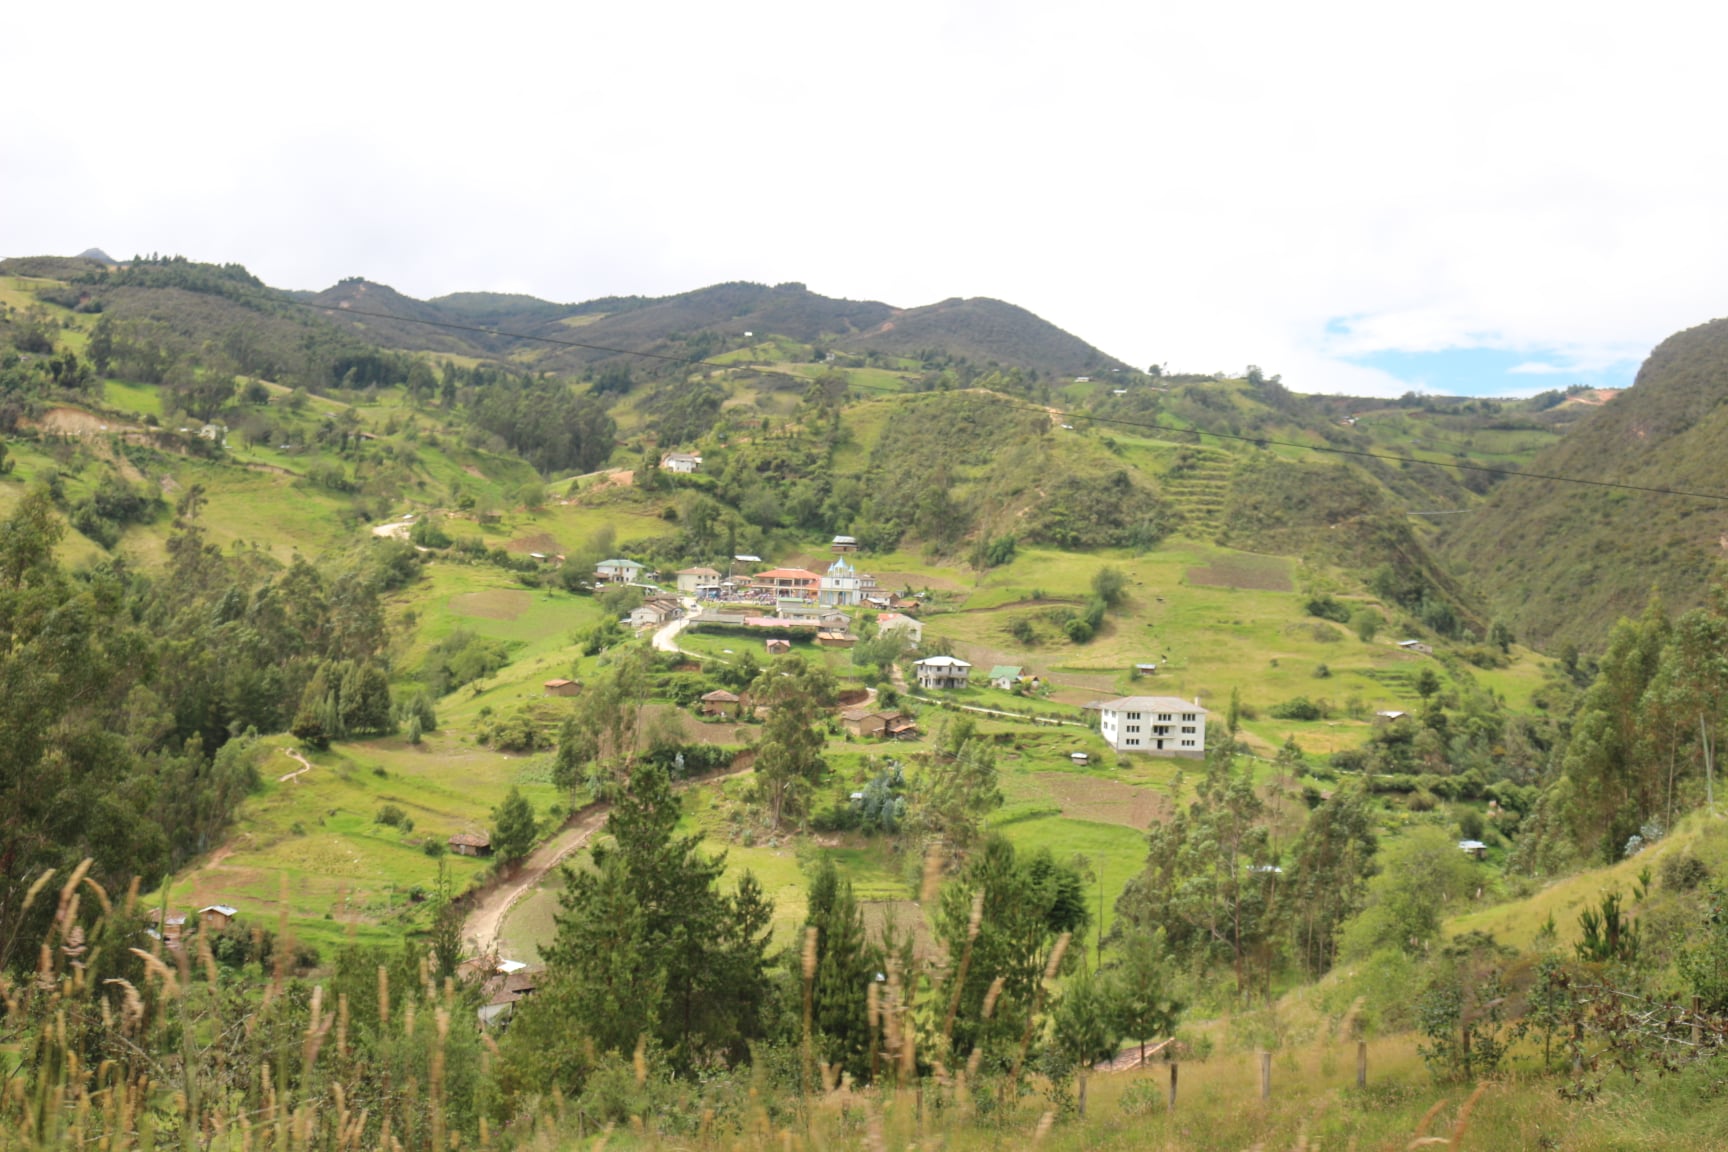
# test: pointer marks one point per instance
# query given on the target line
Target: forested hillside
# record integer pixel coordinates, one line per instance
(1562, 561)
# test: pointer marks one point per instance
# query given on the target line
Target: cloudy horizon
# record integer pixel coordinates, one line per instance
(1485, 200)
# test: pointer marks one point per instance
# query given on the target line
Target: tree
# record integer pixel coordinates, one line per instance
(1143, 983)
(789, 756)
(1422, 873)
(845, 966)
(1110, 584)
(513, 828)
(1085, 1026)
(647, 945)
(1427, 683)
(952, 798)
(1330, 867)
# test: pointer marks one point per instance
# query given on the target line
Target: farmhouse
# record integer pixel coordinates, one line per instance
(1157, 724)
(868, 722)
(719, 703)
(562, 687)
(1005, 676)
(887, 622)
(778, 647)
(217, 916)
(618, 571)
(506, 991)
(942, 672)
(794, 583)
(681, 462)
(845, 544)
(698, 581)
(835, 639)
(471, 844)
(655, 612)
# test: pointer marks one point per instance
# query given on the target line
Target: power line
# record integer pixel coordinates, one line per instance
(1151, 425)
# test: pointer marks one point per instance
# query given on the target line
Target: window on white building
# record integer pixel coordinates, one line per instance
(1133, 715)
(1188, 728)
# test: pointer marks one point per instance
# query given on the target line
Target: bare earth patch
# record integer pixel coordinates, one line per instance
(492, 604)
(1104, 801)
(1260, 573)
(544, 542)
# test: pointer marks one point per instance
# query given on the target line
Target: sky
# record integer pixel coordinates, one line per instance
(1470, 198)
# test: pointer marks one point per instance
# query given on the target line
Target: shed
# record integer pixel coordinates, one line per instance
(1473, 848)
(471, 844)
(778, 647)
(1079, 757)
(562, 688)
(836, 639)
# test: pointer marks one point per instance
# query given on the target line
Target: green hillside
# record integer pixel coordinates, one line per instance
(1562, 561)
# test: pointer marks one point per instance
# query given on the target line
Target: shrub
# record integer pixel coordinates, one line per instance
(1682, 872)
(392, 815)
(1328, 608)
(1297, 708)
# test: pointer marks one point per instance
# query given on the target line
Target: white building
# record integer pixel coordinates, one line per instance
(1157, 724)
(842, 587)
(618, 571)
(696, 581)
(942, 672)
(683, 462)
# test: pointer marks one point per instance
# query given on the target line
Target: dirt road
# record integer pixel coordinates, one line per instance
(486, 920)
(305, 766)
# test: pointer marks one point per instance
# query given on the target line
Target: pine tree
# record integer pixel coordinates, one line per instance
(513, 827)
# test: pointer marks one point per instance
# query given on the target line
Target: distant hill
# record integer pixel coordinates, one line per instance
(1561, 562)
(984, 330)
(97, 255)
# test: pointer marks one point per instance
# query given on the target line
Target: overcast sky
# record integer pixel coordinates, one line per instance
(1486, 198)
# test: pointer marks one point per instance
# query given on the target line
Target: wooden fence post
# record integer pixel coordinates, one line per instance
(1361, 1063)
(1266, 1075)
(1172, 1086)
(1697, 1023)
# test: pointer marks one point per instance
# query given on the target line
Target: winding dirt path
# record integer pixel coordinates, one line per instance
(305, 766)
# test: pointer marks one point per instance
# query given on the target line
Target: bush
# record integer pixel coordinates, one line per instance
(1682, 872)
(1328, 608)
(1297, 708)
(392, 815)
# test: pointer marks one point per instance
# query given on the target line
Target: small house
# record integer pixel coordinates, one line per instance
(682, 463)
(1473, 848)
(1389, 716)
(618, 571)
(655, 612)
(835, 639)
(471, 844)
(561, 687)
(902, 727)
(887, 622)
(942, 672)
(778, 647)
(719, 703)
(866, 721)
(844, 544)
(1079, 758)
(173, 926)
(217, 916)
(1145, 669)
(1006, 676)
(507, 991)
(1416, 646)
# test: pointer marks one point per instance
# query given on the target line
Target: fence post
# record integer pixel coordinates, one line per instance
(1697, 1023)
(1266, 1075)
(1361, 1063)
(1172, 1086)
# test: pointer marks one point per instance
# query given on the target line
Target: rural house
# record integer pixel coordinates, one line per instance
(871, 722)
(778, 647)
(217, 916)
(887, 622)
(561, 687)
(1166, 724)
(471, 844)
(681, 462)
(845, 544)
(655, 612)
(698, 581)
(618, 571)
(835, 639)
(1006, 676)
(935, 672)
(719, 703)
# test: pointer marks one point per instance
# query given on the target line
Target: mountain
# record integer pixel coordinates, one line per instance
(1560, 562)
(984, 330)
(97, 255)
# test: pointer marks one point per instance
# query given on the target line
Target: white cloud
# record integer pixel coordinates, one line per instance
(1208, 185)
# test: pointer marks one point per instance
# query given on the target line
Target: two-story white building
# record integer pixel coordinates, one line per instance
(698, 581)
(681, 462)
(618, 571)
(1161, 725)
(936, 672)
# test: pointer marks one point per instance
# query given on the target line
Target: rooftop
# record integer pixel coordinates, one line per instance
(943, 662)
(1148, 704)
